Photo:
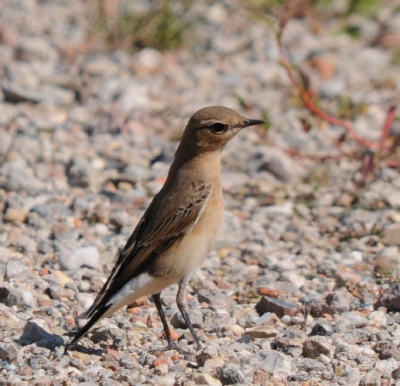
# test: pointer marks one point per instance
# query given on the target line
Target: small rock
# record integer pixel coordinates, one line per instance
(391, 234)
(8, 351)
(15, 215)
(36, 49)
(42, 382)
(396, 374)
(229, 374)
(314, 346)
(387, 350)
(167, 380)
(62, 278)
(161, 370)
(214, 297)
(275, 362)
(285, 210)
(134, 96)
(267, 318)
(291, 341)
(196, 317)
(386, 366)
(37, 331)
(207, 353)
(25, 371)
(322, 329)
(78, 172)
(377, 319)
(279, 307)
(372, 378)
(15, 268)
(9, 296)
(76, 258)
(109, 332)
(331, 88)
(390, 299)
(264, 331)
(207, 379)
(160, 361)
(343, 301)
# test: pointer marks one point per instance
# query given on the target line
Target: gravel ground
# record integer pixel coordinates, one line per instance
(302, 287)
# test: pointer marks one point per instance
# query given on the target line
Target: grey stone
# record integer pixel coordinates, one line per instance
(207, 353)
(15, 268)
(79, 257)
(8, 351)
(35, 48)
(78, 172)
(37, 331)
(390, 298)
(275, 362)
(196, 317)
(105, 333)
(343, 301)
(229, 374)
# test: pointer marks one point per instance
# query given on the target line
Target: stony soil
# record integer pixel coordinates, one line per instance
(302, 287)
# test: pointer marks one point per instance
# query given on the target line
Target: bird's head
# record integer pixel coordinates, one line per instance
(210, 128)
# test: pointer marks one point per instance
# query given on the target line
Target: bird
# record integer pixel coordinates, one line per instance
(177, 230)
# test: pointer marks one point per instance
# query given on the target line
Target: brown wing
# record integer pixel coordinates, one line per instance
(160, 227)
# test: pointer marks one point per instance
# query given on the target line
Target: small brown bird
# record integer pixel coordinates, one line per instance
(176, 232)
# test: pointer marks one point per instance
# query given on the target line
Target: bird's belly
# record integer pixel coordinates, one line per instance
(185, 256)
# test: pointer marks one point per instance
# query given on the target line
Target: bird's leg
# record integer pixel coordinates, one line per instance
(182, 304)
(171, 343)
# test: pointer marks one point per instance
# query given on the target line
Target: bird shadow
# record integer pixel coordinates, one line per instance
(41, 338)
(85, 350)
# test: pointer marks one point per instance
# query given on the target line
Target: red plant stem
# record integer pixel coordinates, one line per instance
(387, 126)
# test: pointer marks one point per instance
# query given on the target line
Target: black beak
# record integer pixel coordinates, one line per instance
(253, 122)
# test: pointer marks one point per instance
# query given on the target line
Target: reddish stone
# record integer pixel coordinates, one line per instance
(265, 291)
(160, 361)
(45, 302)
(44, 272)
(25, 371)
(174, 334)
(70, 321)
(175, 357)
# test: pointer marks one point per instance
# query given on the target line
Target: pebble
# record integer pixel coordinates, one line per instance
(206, 354)
(275, 362)
(207, 379)
(37, 331)
(15, 215)
(390, 299)
(279, 307)
(74, 259)
(62, 278)
(230, 374)
(315, 346)
(391, 234)
(264, 331)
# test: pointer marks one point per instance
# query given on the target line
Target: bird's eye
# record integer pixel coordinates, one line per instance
(218, 128)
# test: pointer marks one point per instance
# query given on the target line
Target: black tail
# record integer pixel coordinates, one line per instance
(85, 329)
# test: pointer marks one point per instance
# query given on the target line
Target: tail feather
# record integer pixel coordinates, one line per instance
(95, 317)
